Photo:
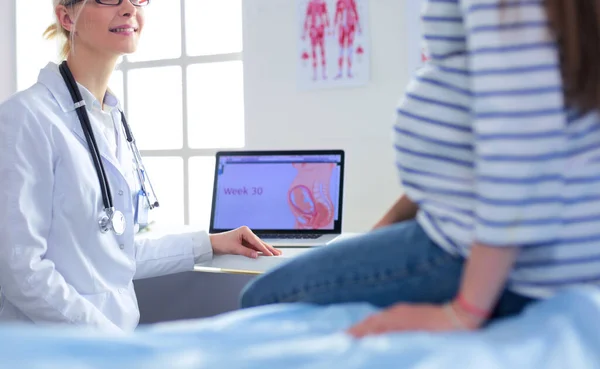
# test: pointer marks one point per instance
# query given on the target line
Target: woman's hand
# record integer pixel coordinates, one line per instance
(241, 241)
(405, 317)
(402, 210)
(484, 278)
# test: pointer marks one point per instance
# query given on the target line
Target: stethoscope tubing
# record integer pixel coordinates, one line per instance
(89, 135)
(107, 200)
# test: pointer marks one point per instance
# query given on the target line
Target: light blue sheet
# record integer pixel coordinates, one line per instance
(563, 332)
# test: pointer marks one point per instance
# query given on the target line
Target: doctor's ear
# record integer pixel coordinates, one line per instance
(64, 18)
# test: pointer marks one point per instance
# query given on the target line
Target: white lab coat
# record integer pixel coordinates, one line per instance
(55, 264)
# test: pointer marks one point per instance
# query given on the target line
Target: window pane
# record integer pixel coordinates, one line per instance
(213, 26)
(216, 105)
(166, 174)
(201, 186)
(116, 85)
(33, 51)
(161, 36)
(155, 107)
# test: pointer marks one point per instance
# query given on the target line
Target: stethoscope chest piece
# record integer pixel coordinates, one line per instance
(113, 220)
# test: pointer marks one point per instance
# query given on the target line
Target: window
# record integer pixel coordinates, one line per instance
(182, 92)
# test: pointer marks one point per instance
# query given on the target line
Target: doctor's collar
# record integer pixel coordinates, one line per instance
(51, 78)
(110, 101)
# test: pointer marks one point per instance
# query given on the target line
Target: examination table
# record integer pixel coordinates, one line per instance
(562, 332)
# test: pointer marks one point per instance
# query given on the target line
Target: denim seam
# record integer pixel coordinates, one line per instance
(419, 270)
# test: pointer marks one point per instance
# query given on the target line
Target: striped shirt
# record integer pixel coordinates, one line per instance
(487, 148)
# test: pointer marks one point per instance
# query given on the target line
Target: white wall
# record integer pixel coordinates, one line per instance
(357, 120)
(7, 49)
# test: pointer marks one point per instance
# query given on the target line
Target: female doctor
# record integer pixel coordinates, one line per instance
(74, 188)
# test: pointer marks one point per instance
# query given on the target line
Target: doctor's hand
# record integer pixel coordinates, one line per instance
(241, 241)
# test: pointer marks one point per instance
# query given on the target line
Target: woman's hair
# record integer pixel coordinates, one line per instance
(57, 31)
(576, 27)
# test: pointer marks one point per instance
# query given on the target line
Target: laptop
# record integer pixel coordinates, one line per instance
(287, 198)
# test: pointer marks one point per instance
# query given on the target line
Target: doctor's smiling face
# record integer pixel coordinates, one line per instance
(110, 27)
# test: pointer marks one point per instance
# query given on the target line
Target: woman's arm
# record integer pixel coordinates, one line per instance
(518, 125)
(483, 281)
(402, 210)
(29, 280)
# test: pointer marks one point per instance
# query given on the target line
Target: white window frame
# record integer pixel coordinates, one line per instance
(184, 61)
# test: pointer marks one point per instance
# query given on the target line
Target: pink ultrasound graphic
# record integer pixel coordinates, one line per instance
(309, 197)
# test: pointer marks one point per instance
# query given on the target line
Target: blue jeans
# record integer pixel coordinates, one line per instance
(395, 264)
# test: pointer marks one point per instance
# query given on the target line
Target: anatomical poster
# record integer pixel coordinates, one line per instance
(333, 43)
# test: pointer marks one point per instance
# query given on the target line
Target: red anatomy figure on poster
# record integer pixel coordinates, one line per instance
(316, 23)
(347, 22)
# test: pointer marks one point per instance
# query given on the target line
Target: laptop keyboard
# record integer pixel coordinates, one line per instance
(291, 236)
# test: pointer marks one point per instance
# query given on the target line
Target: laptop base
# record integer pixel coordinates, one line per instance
(299, 242)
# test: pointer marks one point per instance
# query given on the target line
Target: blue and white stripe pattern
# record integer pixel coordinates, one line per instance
(488, 150)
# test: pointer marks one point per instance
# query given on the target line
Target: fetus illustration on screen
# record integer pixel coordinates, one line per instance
(309, 197)
(347, 22)
(316, 24)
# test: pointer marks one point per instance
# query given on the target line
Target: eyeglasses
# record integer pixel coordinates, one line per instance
(139, 3)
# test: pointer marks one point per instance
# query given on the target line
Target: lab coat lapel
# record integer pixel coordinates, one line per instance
(51, 78)
(101, 142)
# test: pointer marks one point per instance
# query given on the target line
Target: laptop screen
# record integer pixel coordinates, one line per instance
(278, 192)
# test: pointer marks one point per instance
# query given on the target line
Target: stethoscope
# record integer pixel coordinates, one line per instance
(112, 219)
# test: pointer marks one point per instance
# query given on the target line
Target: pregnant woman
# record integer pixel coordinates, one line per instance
(498, 149)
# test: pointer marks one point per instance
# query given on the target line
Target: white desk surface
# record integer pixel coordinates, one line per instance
(236, 264)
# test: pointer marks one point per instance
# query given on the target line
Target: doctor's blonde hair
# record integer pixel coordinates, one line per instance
(57, 31)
